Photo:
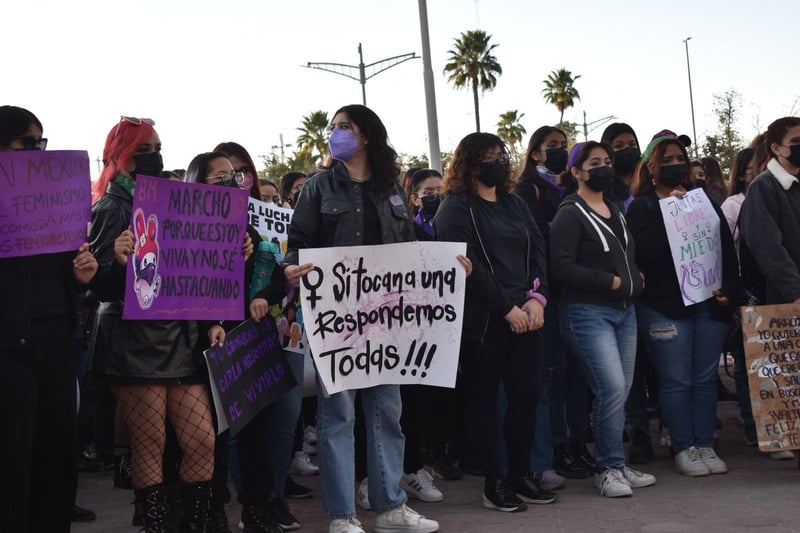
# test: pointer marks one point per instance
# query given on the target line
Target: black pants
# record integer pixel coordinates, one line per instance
(514, 360)
(255, 469)
(39, 446)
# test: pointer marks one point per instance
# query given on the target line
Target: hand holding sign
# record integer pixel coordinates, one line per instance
(84, 266)
(294, 273)
(123, 247)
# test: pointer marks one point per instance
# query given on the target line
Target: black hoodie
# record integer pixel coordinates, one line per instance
(587, 251)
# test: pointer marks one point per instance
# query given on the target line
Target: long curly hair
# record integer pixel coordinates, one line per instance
(382, 157)
(466, 164)
(121, 144)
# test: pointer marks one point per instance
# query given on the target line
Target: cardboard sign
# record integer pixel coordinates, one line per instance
(187, 263)
(247, 373)
(270, 221)
(45, 202)
(388, 314)
(692, 227)
(772, 348)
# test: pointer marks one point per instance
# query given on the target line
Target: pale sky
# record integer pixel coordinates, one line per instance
(208, 71)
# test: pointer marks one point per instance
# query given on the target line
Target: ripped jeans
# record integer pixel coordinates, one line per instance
(686, 354)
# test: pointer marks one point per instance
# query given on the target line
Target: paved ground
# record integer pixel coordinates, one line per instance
(757, 495)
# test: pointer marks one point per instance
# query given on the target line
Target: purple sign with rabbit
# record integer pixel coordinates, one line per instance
(692, 227)
(187, 262)
(45, 202)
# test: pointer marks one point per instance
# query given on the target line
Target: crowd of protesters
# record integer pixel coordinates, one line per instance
(574, 327)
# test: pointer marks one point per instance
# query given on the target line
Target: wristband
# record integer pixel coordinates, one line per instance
(533, 295)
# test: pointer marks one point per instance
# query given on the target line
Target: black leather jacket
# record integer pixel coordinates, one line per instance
(330, 212)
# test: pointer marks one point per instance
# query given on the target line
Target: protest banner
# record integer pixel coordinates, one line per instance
(388, 314)
(772, 350)
(247, 373)
(45, 202)
(270, 221)
(187, 263)
(692, 227)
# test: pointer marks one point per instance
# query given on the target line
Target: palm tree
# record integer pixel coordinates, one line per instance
(510, 130)
(472, 63)
(314, 136)
(559, 90)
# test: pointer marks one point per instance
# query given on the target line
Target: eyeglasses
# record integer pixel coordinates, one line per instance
(137, 121)
(502, 160)
(226, 178)
(31, 143)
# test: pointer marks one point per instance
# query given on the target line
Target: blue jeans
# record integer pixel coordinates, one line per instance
(335, 447)
(283, 423)
(686, 354)
(603, 340)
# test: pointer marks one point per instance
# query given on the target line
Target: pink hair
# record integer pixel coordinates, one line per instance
(121, 144)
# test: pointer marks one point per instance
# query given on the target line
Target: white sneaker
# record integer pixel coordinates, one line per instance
(637, 479)
(689, 463)
(420, 486)
(302, 465)
(402, 519)
(309, 449)
(363, 495)
(345, 525)
(781, 455)
(310, 434)
(713, 462)
(612, 483)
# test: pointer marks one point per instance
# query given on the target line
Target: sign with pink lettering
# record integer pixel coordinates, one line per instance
(187, 263)
(388, 314)
(692, 227)
(45, 202)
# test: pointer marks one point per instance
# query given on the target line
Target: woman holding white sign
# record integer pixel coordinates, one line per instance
(592, 255)
(357, 201)
(503, 311)
(685, 340)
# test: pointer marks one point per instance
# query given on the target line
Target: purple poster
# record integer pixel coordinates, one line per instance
(187, 262)
(45, 202)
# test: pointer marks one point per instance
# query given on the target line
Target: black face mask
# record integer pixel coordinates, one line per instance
(430, 204)
(600, 178)
(149, 164)
(794, 155)
(493, 173)
(673, 175)
(625, 160)
(556, 159)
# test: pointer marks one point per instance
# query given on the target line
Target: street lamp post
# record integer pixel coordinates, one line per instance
(691, 97)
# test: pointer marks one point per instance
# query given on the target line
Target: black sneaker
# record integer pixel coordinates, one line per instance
(750, 436)
(123, 475)
(567, 465)
(581, 454)
(447, 469)
(529, 490)
(280, 512)
(295, 490)
(498, 494)
(641, 449)
(257, 519)
(79, 514)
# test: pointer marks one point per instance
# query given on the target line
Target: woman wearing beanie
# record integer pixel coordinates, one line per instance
(593, 256)
(684, 340)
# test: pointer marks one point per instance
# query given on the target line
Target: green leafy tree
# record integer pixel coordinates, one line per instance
(726, 141)
(312, 143)
(570, 129)
(511, 131)
(472, 64)
(559, 90)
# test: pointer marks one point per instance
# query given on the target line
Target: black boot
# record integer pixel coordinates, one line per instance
(151, 502)
(196, 507)
(258, 518)
(641, 449)
(565, 464)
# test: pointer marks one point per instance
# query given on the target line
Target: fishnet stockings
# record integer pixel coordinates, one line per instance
(145, 409)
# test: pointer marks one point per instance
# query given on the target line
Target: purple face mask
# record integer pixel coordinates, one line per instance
(343, 144)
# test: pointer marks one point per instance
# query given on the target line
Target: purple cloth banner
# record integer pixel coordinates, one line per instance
(187, 262)
(45, 202)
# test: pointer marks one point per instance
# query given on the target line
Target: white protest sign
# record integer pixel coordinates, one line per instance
(270, 221)
(692, 227)
(388, 314)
